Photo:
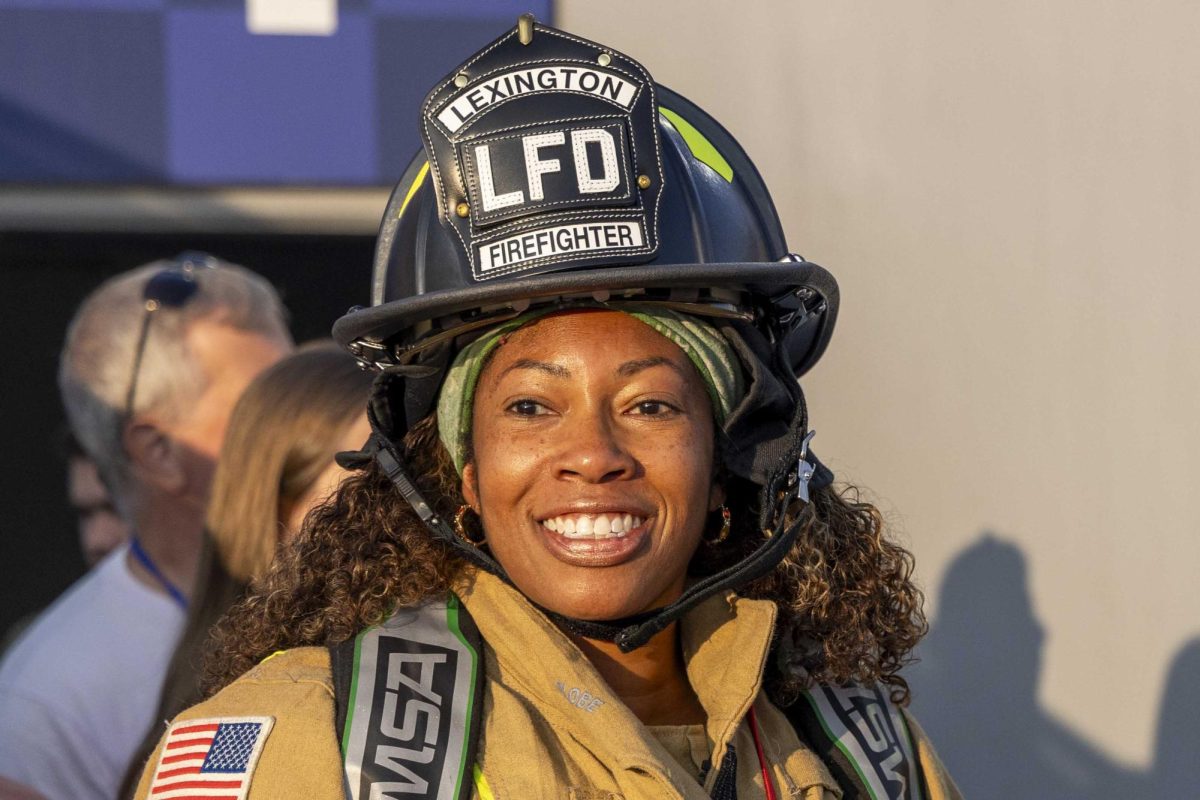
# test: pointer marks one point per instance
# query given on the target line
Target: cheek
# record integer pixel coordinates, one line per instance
(502, 481)
(685, 464)
(685, 473)
(506, 458)
(514, 453)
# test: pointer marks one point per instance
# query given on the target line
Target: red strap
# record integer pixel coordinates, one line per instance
(762, 761)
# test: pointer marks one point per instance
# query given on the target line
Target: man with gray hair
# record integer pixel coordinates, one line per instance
(153, 363)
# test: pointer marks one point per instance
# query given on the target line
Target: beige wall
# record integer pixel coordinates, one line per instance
(1009, 195)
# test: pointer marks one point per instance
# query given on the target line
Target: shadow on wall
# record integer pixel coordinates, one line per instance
(1177, 745)
(975, 692)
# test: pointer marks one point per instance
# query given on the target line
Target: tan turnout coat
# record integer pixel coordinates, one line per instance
(537, 744)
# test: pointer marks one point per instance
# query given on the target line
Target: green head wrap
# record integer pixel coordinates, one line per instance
(707, 349)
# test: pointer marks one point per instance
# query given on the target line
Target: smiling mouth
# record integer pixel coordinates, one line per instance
(612, 525)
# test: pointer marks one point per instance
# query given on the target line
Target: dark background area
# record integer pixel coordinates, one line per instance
(182, 94)
(45, 276)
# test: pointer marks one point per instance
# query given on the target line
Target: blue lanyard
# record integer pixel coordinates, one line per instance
(144, 559)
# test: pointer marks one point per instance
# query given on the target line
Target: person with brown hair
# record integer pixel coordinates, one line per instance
(276, 463)
(588, 551)
(277, 460)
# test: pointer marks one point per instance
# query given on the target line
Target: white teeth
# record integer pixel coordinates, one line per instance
(587, 526)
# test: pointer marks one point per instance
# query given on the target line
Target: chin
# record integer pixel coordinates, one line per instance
(596, 605)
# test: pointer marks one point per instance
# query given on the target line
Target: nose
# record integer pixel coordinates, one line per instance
(593, 452)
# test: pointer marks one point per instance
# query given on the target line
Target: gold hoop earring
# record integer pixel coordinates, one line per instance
(460, 527)
(726, 523)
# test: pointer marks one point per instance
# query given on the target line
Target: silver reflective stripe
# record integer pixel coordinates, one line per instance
(427, 633)
(868, 729)
(903, 734)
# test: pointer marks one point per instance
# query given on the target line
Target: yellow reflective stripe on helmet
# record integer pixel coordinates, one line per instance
(481, 784)
(413, 189)
(701, 147)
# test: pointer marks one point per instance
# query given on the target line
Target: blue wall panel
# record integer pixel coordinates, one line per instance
(254, 109)
(81, 96)
(179, 92)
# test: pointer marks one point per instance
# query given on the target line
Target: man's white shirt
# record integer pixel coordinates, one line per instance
(78, 690)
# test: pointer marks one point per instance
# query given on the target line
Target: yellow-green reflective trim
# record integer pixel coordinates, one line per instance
(413, 189)
(276, 653)
(701, 147)
(481, 784)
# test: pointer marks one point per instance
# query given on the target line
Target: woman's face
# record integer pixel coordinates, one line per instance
(592, 469)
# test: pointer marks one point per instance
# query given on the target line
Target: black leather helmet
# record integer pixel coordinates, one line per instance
(556, 172)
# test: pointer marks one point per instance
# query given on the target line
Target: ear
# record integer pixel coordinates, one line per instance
(154, 457)
(470, 487)
(716, 496)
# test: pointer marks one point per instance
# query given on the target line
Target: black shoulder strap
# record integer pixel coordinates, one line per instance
(863, 739)
(408, 696)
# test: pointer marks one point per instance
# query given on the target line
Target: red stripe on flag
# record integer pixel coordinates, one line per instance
(174, 743)
(181, 771)
(184, 757)
(190, 729)
(197, 785)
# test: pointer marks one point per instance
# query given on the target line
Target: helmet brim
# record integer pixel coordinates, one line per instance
(382, 324)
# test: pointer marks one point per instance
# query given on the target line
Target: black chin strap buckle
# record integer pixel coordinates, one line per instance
(396, 474)
(380, 448)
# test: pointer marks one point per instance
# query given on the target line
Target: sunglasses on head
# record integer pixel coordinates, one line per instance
(171, 287)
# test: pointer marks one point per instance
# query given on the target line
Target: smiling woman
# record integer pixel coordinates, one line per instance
(582, 421)
(588, 551)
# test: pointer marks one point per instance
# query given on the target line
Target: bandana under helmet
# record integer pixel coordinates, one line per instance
(708, 351)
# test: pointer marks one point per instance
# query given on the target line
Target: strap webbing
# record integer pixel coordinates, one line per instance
(863, 740)
(408, 696)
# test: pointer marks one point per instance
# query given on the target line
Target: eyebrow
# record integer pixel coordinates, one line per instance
(626, 370)
(554, 370)
(633, 367)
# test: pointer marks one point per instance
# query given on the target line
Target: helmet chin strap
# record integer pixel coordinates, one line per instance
(786, 487)
(381, 449)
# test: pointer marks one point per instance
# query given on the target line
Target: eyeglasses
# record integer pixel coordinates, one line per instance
(172, 287)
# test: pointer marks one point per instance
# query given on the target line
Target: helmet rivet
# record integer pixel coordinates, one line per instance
(461, 80)
(643, 181)
(525, 28)
(462, 209)
(604, 59)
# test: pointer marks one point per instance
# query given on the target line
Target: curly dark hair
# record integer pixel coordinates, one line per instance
(849, 611)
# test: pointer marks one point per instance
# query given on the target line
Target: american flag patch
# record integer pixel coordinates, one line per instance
(211, 759)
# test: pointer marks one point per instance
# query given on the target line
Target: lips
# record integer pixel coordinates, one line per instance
(594, 535)
(607, 525)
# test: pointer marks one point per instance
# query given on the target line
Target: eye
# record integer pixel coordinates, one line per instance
(527, 408)
(654, 408)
